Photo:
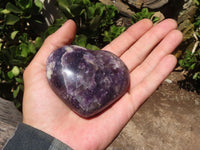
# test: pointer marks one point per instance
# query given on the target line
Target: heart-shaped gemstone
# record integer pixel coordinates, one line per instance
(87, 81)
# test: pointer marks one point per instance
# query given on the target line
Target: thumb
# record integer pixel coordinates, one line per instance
(63, 36)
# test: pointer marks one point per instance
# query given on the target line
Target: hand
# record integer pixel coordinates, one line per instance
(144, 48)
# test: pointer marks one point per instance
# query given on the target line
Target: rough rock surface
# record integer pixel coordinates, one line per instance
(168, 120)
(122, 7)
(9, 118)
(153, 4)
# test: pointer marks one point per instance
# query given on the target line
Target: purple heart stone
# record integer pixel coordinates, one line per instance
(87, 81)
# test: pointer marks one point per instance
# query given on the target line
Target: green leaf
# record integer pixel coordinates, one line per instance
(16, 91)
(64, 3)
(18, 104)
(5, 11)
(155, 19)
(75, 9)
(13, 8)
(24, 50)
(196, 2)
(181, 63)
(39, 4)
(38, 42)
(197, 23)
(86, 2)
(24, 37)
(112, 33)
(19, 80)
(31, 48)
(92, 47)
(80, 40)
(1, 45)
(144, 13)
(100, 9)
(10, 75)
(192, 66)
(11, 19)
(195, 76)
(90, 12)
(15, 71)
(95, 21)
(24, 4)
(13, 34)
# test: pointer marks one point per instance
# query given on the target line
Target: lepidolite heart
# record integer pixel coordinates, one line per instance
(87, 81)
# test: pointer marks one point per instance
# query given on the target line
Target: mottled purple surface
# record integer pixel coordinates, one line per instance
(87, 81)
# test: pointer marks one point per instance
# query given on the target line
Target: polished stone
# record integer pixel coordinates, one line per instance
(87, 81)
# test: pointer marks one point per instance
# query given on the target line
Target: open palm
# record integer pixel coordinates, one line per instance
(144, 48)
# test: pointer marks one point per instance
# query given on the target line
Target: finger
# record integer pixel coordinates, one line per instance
(167, 45)
(138, 52)
(126, 39)
(63, 36)
(146, 87)
(124, 108)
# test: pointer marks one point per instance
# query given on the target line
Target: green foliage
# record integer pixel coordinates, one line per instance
(197, 17)
(112, 33)
(57, 24)
(144, 13)
(191, 63)
(81, 40)
(92, 19)
(18, 43)
(196, 2)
